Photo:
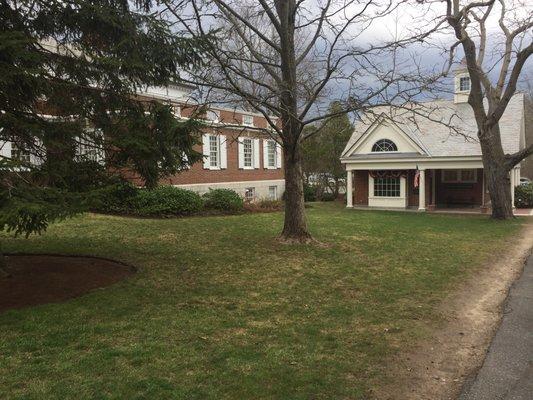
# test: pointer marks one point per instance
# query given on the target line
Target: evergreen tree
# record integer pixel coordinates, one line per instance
(323, 148)
(70, 75)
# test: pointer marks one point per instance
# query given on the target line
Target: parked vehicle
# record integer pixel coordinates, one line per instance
(525, 181)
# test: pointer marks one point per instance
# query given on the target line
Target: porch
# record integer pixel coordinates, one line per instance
(443, 189)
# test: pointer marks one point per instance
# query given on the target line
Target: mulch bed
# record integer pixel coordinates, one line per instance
(41, 279)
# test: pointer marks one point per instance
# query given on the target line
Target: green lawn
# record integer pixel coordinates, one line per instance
(220, 310)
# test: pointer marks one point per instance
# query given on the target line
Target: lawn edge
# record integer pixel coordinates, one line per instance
(437, 367)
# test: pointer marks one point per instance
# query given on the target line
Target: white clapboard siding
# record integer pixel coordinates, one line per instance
(257, 156)
(223, 152)
(205, 144)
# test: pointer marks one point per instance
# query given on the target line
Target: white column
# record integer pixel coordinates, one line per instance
(513, 184)
(349, 190)
(422, 191)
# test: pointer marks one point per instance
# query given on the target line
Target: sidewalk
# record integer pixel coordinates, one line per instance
(507, 372)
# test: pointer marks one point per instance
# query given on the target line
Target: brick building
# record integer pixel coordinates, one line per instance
(239, 153)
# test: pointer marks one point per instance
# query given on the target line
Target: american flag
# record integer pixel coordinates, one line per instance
(417, 179)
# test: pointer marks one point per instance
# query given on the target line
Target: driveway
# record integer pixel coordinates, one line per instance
(507, 372)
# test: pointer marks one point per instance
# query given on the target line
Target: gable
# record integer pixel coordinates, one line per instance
(384, 129)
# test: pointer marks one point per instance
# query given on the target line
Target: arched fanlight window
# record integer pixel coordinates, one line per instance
(384, 145)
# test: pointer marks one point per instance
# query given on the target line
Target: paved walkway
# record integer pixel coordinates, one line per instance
(507, 372)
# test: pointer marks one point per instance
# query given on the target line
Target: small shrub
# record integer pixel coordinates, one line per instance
(223, 200)
(309, 193)
(115, 199)
(166, 201)
(523, 196)
(328, 197)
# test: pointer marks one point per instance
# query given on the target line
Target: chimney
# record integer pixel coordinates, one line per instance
(462, 83)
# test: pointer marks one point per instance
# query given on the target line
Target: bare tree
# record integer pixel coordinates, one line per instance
(494, 67)
(287, 59)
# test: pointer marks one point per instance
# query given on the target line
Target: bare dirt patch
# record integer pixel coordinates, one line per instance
(40, 279)
(437, 368)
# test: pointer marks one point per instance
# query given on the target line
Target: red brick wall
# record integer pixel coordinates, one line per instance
(197, 173)
(360, 187)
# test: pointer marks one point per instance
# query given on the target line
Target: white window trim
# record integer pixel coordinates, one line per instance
(214, 113)
(458, 83)
(275, 197)
(459, 176)
(247, 124)
(244, 166)
(266, 158)
(222, 159)
(176, 110)
(254, 193)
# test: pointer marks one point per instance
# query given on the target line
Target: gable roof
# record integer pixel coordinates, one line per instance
(435, 137)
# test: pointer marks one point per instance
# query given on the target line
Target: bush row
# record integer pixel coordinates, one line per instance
(164, 201)
(523, 196)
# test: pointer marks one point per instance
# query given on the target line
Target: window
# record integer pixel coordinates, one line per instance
(212, 115)
(19, 153)
(214, 151)
(384, 145)
(248, 152)
(271, 154)
(468, 175)
(459, 175)
(273, 192)
(464, 84)
(88, 149)
(249, 193)
(176, 110)
(387, 187)
(248, 120)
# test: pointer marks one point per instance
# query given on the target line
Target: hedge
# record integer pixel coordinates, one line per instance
(523, 196)
(223, 200)
(166, 201)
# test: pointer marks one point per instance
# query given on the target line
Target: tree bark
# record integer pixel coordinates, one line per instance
(497, 174)
(295, 225)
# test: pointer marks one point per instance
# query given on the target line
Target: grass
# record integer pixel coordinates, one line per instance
(220, 310)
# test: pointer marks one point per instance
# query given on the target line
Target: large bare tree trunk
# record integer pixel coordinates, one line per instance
(295, 225)
(496, 174)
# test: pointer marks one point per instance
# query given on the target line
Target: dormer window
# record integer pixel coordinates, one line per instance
(464, 84)
(384, 145)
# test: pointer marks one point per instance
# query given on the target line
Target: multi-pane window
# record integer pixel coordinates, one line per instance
(273, 192)
(271, 154)
(248, 120)
(387, 187)
(214, 151)
(19, 153)
(459, 175)
(384, 145)
(88, 150)
(464, 83)
(249, 193)
(248, 152)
